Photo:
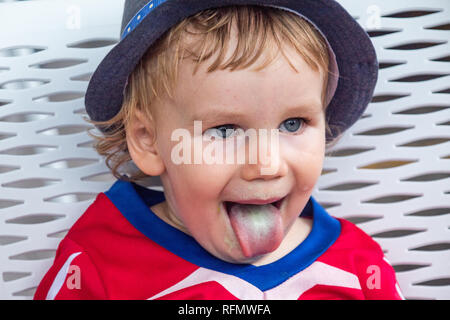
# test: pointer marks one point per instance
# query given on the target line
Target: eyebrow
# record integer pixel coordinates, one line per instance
(218, 115)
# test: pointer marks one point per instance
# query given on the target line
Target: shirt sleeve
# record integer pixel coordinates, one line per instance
(72, 276)
(377, 276)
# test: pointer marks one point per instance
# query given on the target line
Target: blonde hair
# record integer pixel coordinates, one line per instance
(259, 30)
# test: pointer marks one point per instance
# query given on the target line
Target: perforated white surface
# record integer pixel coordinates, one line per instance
(389, 174)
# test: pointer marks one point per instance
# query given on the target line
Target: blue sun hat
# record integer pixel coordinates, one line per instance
(353, 61)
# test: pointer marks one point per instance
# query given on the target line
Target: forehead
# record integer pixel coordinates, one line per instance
(273, 88)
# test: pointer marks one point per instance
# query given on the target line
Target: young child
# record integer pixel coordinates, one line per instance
(208, 71)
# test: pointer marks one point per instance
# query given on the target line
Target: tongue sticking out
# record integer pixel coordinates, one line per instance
(257, 227)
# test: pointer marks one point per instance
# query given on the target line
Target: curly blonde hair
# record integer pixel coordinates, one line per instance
(259, 30)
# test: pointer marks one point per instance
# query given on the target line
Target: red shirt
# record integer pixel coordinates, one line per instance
(119, 249)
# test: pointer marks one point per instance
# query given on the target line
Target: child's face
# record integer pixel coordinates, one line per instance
(196, 193)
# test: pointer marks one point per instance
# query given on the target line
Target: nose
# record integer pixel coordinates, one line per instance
(263, 158)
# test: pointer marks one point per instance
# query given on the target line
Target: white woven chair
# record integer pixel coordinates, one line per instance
(389, 174)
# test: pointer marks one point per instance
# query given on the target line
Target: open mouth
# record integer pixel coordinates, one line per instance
(277, 204)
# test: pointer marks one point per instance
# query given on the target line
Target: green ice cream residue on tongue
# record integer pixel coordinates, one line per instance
(258, 219)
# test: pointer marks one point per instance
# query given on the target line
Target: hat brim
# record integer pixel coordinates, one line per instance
(354, 51)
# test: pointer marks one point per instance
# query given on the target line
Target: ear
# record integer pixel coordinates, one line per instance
(141, 141)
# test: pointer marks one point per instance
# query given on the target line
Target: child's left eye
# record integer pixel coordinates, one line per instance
(292, 124)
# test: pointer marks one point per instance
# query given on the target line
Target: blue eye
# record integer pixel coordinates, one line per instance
(292, 124)
(221, 132)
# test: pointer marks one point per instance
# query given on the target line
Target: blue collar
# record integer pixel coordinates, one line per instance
(134, 202)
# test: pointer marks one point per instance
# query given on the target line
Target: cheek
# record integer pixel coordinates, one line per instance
(305, 155)
(195, 187)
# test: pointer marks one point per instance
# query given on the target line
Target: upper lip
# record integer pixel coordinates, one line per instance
(257, 201)
(276, 202)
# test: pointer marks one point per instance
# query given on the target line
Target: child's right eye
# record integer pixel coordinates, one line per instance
(221, 132)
